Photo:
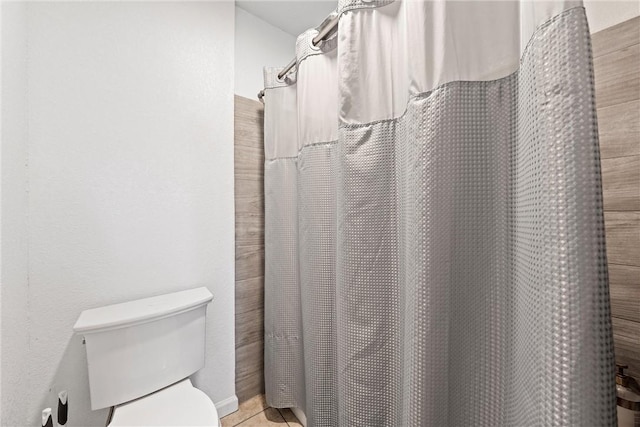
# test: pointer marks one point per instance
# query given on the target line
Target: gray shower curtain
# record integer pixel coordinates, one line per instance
(434, 239)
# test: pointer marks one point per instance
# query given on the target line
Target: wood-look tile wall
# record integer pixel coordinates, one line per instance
(249, 203)
(616, 52)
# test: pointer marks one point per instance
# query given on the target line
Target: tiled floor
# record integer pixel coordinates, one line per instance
(255, 413)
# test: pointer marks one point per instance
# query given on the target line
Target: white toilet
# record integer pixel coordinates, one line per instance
(140, 356)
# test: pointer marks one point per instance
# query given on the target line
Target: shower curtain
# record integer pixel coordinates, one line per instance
(434, 235)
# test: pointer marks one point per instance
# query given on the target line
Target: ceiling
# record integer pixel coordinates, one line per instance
(293, 17)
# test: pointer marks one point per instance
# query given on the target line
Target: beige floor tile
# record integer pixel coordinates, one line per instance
(290, 417)
(245, 411)
(270, 417)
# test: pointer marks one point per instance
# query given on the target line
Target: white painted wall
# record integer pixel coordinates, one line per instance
(125, 114)
(606, 13)
(258, 44)
(14, 274)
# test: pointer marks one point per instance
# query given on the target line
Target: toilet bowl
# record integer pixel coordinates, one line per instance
(140, 355)
(180, 404)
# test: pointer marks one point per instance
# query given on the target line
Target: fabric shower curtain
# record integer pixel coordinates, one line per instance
(434, 242)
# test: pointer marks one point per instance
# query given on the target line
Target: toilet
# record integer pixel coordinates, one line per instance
(140, 355)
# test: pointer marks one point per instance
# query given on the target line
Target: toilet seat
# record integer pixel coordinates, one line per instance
(180, 404)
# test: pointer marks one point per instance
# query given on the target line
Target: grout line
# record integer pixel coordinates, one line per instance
(618, 49)
(625, 319)
(618, 104)
(623, 265)
(248, 418)
(282, 415)
(619, 157)
(240, 410)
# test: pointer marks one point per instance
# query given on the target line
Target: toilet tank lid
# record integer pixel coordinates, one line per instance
(140, 311)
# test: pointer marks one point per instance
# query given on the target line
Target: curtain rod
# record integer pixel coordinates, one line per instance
(326, 29)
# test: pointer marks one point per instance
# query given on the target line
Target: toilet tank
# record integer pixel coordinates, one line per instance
(138, 347)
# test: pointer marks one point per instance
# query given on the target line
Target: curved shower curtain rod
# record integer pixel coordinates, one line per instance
(326, 29)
